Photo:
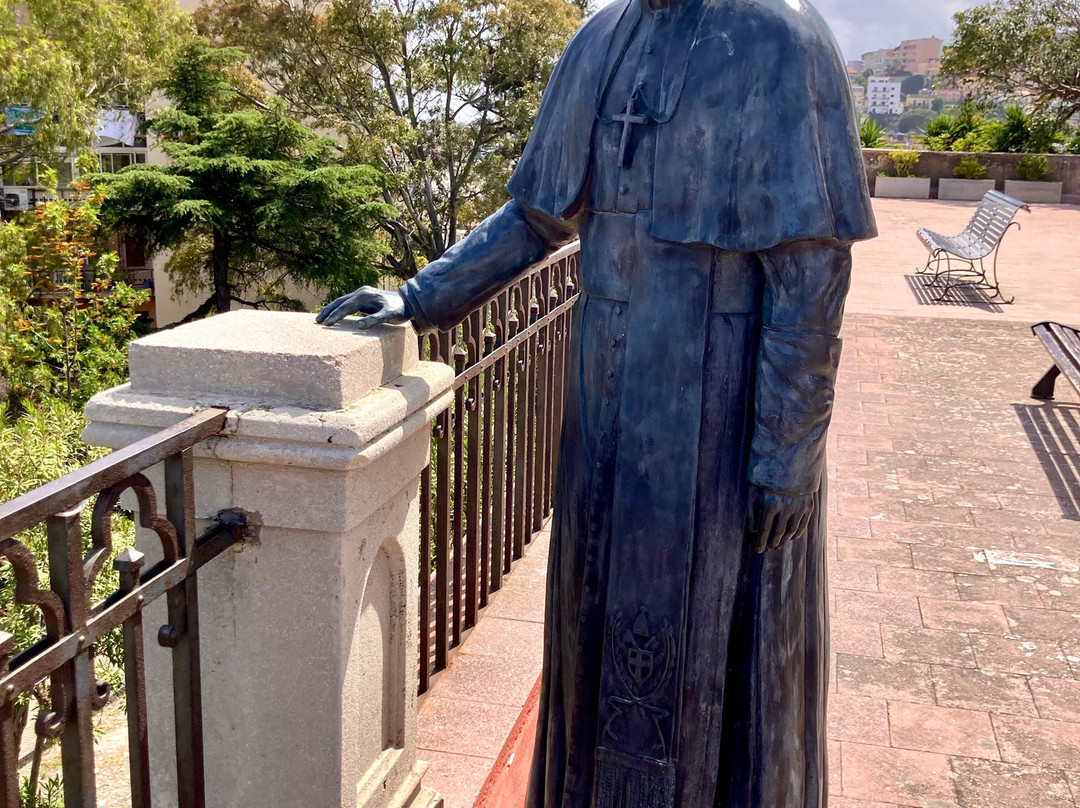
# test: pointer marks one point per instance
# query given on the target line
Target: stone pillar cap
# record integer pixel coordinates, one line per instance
(261, 358)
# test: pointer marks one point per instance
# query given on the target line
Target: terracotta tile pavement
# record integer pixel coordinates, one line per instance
(967, 639)
(954, 536)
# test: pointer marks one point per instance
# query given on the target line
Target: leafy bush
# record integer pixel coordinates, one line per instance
(904, 162)
(40, 445)
(1035, 168)
(965, 130)
(1073, 146)
(970, 168)
(872, 134)
(64, 328)
(1024, 133)
(914, 120)
(65, 316)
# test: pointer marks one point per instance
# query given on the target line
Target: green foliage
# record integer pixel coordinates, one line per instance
(65, 319)
(913, 84)
(1025, 133)
(914, 120)
(46, 794)
(904, 162)
(251, 197)
(440, 96)
(39, 445)
(1073, 146)
(970, 168)
(63, 337)
(1035, 168)
(1026, 48)
(63, 59)
(872, 134)
(965, 129)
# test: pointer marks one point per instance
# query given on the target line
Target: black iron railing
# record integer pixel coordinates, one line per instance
(489, 488)
(73, 625)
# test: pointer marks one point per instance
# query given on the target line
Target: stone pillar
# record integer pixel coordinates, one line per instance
(308, 633)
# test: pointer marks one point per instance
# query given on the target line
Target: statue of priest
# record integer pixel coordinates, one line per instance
(705, 153)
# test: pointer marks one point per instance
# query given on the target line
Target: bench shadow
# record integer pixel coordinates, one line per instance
(965, 296)
(1054, 432)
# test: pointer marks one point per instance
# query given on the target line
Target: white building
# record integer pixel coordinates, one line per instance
(883, 96)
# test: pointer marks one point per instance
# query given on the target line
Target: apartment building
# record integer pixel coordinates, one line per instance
(882, 61)
(921, 56)
(922, 100)
(883, 96)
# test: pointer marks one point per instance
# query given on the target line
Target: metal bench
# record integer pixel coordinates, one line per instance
(1063, 343)
(958, 260)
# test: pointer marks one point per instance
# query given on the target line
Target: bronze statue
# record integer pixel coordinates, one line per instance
(706, 154)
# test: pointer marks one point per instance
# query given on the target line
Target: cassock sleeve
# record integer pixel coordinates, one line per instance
(806, 284)
(490, 258)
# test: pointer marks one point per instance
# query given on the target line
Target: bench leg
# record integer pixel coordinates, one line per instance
(1044, 390)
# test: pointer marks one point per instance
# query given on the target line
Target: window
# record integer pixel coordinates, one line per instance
(112, 162)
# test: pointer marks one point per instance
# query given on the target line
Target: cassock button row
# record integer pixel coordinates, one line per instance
(614, 343)
(618, 311)
(611, 374)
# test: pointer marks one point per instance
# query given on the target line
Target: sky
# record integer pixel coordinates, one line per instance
(866, 25)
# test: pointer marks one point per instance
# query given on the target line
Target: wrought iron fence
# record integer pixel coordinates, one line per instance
(73, 625)
(495, 450)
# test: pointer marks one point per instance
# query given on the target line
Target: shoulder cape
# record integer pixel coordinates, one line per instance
(763, 148)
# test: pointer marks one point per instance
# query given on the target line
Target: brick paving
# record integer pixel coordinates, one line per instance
(954, 537)
(955, 570)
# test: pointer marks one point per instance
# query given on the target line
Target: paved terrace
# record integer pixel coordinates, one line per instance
(954, 550)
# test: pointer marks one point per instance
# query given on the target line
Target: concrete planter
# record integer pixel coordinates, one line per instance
(964, 190)
(902, 187)
(1041, 192)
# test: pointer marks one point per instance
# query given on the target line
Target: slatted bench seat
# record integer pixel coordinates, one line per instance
(958, 260)
(1063, 343)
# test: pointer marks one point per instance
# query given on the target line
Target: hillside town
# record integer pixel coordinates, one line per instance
(901, 86)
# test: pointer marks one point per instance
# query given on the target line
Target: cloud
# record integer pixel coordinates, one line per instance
(865, 25)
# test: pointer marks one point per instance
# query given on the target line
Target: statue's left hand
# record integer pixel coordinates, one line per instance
(777, 518)
(379, 305)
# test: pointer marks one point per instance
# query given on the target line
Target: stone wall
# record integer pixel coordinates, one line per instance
(999, 167)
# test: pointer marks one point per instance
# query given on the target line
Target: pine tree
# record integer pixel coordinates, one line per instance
(251, 198)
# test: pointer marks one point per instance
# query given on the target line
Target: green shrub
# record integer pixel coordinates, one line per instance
(1025, 133)
(38, 445)
(970, 169)
(872, 134)
(904, 162)
(1034, 168)
(963, 130)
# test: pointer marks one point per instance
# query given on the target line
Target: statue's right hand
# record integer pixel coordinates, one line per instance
(379, 305)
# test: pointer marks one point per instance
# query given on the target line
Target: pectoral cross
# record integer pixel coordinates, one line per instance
(628, 119)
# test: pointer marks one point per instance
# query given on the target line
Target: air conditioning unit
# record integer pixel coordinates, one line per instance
(16, 198)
